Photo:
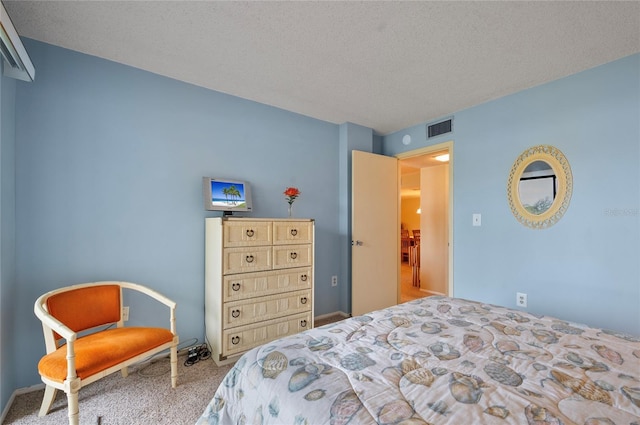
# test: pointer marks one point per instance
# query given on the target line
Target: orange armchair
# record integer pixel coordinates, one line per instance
(74, 361)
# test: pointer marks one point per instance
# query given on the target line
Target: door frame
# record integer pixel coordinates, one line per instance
(425, 151)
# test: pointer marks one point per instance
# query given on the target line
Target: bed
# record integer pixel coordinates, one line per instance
(436, 360)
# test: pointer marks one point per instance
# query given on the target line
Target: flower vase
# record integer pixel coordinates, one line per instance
(290, 209)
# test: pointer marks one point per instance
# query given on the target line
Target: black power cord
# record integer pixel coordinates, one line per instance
(197, 353)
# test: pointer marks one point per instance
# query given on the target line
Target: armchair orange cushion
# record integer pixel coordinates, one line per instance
(102, 350)
(74, 309)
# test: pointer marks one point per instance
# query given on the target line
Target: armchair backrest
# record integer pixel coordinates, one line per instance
(85, 308)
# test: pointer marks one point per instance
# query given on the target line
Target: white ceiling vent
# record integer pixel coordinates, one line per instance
(16, 60)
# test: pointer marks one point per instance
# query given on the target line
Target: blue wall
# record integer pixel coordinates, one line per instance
(8, 286)
(110, 161)
(586, 267)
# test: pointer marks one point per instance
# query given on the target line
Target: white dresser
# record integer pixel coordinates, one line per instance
(258, 282)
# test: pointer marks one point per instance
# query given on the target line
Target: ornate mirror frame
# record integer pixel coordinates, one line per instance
(564, 179)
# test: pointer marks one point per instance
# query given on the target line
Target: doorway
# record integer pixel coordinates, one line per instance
(426, 199)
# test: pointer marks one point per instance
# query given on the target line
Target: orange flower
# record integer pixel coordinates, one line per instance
(291, 193)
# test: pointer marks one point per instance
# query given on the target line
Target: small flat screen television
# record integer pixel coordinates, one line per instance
(226, 195)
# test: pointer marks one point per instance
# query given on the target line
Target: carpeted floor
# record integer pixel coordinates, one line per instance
(145, 397)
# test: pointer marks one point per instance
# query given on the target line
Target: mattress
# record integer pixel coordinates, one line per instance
(436, 360)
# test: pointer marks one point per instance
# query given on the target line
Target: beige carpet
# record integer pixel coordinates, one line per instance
(144, 397)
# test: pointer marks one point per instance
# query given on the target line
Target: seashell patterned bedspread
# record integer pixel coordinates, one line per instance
(436, 360)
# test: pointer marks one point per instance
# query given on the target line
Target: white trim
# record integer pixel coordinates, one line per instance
(335, 313)
(19, 391)
(431, 293)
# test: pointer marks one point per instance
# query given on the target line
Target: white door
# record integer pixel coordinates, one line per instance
(375, 232)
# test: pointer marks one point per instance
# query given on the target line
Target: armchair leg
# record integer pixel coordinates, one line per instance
(72, 402)
(124, 371)
(47, 401)
(174, 366)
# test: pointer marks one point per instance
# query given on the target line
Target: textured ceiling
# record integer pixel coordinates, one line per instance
(383, 65)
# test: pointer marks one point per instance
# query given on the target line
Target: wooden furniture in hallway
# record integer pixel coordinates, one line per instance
(414, 262)
(405, 243)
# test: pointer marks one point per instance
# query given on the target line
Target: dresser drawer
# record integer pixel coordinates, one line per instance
(288, 256)
(251, 259)
(243, 338)
(261, 309)
(249, 285)
(247, 233)
(292, 232)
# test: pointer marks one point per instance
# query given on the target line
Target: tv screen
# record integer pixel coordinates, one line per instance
(226, 195)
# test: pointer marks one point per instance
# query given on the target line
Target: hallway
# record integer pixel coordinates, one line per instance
(408, 292)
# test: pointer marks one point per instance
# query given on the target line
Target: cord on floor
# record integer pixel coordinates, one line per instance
(201, 352)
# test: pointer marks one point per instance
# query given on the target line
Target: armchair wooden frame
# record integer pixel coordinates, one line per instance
(74, 361)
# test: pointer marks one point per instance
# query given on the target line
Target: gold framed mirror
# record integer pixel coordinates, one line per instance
(540, 186)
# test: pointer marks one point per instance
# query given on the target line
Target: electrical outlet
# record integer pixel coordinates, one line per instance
(521, 299)
(125, 313)
(334, 280)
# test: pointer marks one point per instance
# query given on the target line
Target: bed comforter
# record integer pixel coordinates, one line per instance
(437, 360)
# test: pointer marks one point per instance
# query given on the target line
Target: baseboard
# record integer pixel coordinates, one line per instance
(427, 291)
(335, 313)
(16, 393)
(5, 411)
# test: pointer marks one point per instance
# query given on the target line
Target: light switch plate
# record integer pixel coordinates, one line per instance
(477, 219)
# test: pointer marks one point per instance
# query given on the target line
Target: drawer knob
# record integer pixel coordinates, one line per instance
(235, 313)
(303, 323)
(235, 340)
(293, 255)
(249, 258)
(235, 286)
(303, 300)
(294, 232)
(250, 233)
(303, 277)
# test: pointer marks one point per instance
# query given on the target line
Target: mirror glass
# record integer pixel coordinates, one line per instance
(540, 186)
